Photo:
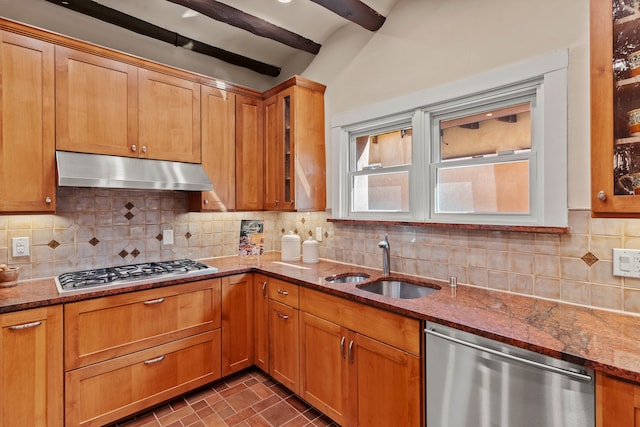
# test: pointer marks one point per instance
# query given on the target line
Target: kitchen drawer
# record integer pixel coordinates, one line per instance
(284, 292)
(98, 394)
(104, 328)
(391, 328)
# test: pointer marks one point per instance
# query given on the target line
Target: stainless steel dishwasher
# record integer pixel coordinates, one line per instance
(478, 382)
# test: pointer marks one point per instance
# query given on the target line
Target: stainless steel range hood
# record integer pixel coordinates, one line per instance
(96, 170)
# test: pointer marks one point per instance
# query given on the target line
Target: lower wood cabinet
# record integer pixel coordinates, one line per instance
(237, 323)
(617, 402)
(261, 321)
(358, 364)
(31, 377)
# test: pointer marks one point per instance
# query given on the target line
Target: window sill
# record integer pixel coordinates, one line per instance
(484, 227)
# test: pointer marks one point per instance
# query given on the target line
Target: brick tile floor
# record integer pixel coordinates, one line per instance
(250, 398)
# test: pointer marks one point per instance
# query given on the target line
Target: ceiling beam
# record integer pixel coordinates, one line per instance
(355, 11)
(258, 26)
(115, 17)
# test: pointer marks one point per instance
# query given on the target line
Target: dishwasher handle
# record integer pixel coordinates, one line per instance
(566, 372)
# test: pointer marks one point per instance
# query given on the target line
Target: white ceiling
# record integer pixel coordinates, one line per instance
(303, 17)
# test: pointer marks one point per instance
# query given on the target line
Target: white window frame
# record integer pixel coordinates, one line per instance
(544, 77)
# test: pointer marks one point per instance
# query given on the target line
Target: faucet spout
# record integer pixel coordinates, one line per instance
(386, 256)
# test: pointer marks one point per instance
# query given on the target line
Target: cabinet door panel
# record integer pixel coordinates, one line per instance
(273, 159)
(169, 117)
(387, 385)
(324, 366)
(283, 345)
(237, 323)
(617, 402)
(27, 151)
(249, 154)
(31, 368)
(261, 321)
(96, 104)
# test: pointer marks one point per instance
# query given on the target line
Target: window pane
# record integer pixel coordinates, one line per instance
(487, 188)
(381, 192)
(491, 132)
(383, 150)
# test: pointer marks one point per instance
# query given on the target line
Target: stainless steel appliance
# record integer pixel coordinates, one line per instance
(478, 382)
(131, 274)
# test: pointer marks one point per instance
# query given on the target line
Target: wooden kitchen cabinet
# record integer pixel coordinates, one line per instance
(283, 334)
(96, 104)
(237, 323)
(358, 364)
(249, 162)
(218, 151)
(31, 377)
(169, 109)
(261, 321)
(27, 141)
(615, 151)
(294, 151)
(127, 352)
(617, 402)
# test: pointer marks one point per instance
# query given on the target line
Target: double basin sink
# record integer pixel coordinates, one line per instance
(387, 286)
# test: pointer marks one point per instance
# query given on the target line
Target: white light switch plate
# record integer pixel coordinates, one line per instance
(167, 237)
(626, 262)
(19, 246)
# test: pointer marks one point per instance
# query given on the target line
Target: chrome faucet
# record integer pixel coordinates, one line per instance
(386, 256)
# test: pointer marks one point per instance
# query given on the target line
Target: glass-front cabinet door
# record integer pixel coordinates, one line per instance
(615, 107)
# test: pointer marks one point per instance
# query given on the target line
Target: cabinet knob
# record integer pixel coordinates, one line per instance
(292, 201)
(47, 200)
(144, 148)
(602, 195)
(277, 202)
(134, 148)
(206, 201)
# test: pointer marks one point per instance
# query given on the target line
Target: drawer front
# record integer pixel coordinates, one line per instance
(98, 394)
(390, 328)
(104, 328)
(284, 292)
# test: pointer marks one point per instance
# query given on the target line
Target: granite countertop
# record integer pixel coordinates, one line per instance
(602, 340)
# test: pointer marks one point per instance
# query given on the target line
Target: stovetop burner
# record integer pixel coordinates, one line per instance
(133, 273)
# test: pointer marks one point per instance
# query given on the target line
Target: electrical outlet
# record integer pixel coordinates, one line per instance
(626, 262)
(19, 246)
(319, 234)
(167, 237)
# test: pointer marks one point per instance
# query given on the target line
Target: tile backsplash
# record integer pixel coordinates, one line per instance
(102, 227)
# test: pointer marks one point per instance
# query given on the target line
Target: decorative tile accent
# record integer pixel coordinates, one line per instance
(590, 259)
(303, 220)
(326, 234)
(188, 235)
(135, 253)
(123, 253)
(129, 215)
(53, 244)
(94, 241)
(159, 237)
(129, 205)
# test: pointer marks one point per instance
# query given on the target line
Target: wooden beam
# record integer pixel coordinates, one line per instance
(258, 26)
(115, 17)
(355, 11)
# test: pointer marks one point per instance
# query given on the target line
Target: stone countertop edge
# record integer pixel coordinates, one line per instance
(603, 340)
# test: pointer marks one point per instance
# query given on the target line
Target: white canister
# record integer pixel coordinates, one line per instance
(310, 251)
(290, 247)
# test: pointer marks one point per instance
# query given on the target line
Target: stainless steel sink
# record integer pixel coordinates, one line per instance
(399, 288)
(347, 278)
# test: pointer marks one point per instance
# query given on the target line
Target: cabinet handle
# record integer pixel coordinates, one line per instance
(47, 200)
(351, 351)
(206, 201)
(281, 292)
(283, 316)
(342, 347)
(292, 201)
(144, 148)
(134, 148)
(277, 202)
(154, 301)
(264, 289)
(25, 326)
(152, 361)
(602, 195)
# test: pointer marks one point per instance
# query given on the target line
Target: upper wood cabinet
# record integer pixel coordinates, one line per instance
(31, 387)
(218, 151)
(249, 154)
(27, 144)
(169, 117)
(294, 151)
(615, 91)
(96, 104)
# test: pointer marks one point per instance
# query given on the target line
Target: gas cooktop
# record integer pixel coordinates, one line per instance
(147, 272)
